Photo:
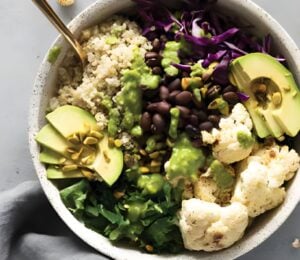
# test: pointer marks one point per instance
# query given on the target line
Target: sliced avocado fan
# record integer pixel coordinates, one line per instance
(74, 146)
(274, 102)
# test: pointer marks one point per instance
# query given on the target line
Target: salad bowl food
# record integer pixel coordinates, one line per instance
(178, 133)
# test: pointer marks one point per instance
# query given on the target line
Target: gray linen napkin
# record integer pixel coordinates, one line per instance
(31, 230)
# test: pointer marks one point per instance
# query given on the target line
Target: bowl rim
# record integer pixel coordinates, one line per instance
(86, 234)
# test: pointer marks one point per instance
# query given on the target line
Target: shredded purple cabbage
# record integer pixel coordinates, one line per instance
(243, 96)
(212, 37)
(182, 67)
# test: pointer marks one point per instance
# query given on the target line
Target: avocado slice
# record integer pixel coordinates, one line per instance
(67, 139)
(68, 120)
(50, 157)
(57, 173)
(108, 162)
(274, 102)
(48, 137)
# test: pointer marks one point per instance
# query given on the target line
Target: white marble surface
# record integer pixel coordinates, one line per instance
(25, 37)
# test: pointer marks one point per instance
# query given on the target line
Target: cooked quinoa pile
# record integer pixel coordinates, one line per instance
(109, 47)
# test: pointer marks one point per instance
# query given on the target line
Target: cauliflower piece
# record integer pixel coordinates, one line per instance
(65, 2)
(253, 191)
(234, 141)
(205, 189)
(282, 162)
(260, 178)
(209, 227)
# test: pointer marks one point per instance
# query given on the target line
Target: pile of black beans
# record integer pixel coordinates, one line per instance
(194, 116)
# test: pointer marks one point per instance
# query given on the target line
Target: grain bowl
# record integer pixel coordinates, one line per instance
(113, 49)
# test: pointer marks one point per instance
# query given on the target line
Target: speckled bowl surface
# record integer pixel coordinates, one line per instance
(44, 88)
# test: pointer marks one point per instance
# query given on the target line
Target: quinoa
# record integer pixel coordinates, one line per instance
(109, 47)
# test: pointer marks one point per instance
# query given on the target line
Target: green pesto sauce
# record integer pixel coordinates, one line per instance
(197, 70)
(130, 98)
(151, 183)
(53, 54)
(221, 175)
(170, 56)
(246, 140)
(185, 160)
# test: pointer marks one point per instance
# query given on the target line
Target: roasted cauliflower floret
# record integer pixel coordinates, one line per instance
(260, 178)
(233, 142)
(210, 227)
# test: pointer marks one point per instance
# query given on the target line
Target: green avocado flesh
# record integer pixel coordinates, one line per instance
(276, 112)
(53, 140)
(185, 160)
(68, 120)
(57, 173)
(50, 157)
(107, 162)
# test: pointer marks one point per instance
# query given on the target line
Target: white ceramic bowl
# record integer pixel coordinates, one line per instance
(44, 88)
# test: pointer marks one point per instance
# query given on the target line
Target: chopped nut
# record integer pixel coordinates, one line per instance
(118, 194)
(90, 140)
(96, 134)
(276, 98)
(155, 163)
(71, 150)
(75, 156)
(88, 174)
(74, 139)
(154, 155)
(65, 2)
(185, 83)
(261, 87)
(143, 152)
(296, 243)
(88, 160)
(149, 248)
(62, 160)
(144, 170)
(81, 136)
(68, 168)
(118, 143)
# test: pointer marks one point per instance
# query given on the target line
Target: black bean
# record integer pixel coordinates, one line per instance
(150, 94)
(173, 95)
(146, 121)
(183, 98)
(185, 74)
(152, 35)
(229, 88)
(163, 38)
(202, 116)
(184, 111)
(157, 70)
(197, 142)
(155, 62)
(194, 120)
(215, 119)
(197, 103)
(163, 92)
(213, 92)
(151, 55)
(192, 131)
(159, 124)
(231, 97)
(207, 126)
(156, 44)
(162, 107)
(175, 85)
